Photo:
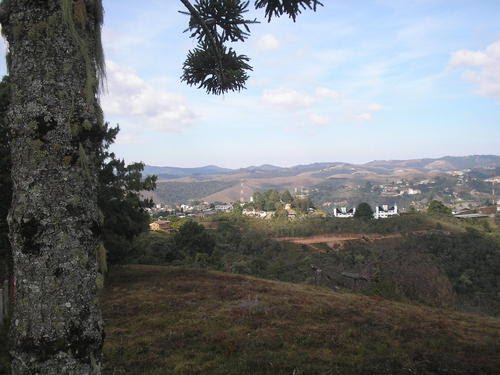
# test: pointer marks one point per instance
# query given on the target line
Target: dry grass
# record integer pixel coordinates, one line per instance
(162, 320)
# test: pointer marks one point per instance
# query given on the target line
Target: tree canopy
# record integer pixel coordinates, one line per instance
(273, 200)
(363, 211)
(438, 208)
(214, 66)
(120, 200)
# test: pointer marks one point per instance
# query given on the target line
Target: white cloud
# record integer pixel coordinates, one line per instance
(319, 120)
(364, 117)
(134, 100)
(128, 139)
(268, 43)
(471, 58)
(364, 112)
(323, 100)
(324, 92)
(287, 98)
(482, 68)
(374, 107)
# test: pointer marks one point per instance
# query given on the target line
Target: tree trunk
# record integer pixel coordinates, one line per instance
(56, 127)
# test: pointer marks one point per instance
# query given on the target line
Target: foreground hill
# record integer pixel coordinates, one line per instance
(162, 320)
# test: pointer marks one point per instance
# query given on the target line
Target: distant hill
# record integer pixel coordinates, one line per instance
(172, 191)
(175, 172)
(445, 163)
(191, 321)
(224, 184)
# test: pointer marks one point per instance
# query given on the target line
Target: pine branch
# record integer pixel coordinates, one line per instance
(213, 66)
(276, 8)
(208, 33)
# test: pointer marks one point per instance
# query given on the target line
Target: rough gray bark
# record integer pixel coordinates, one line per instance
(56, 127)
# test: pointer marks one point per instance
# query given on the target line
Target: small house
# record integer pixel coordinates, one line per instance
(385, 211)
(344, 212)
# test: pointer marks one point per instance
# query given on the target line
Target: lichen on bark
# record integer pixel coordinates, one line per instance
(55, 121)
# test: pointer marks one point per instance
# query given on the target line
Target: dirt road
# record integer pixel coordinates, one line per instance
(334, 240)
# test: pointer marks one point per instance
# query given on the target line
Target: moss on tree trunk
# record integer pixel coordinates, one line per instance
(56, 127)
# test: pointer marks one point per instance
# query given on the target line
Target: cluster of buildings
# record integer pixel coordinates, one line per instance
(480, 212)
(401, 187)
(292, 214)
(258, 213)
(381, 212)
(162, 226)
(190, 210)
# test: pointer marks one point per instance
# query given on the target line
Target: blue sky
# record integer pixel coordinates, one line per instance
(356, 81)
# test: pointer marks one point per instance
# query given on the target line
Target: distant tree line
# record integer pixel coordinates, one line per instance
(273, 200)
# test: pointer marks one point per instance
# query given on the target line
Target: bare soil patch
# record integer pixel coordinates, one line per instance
(337, 240)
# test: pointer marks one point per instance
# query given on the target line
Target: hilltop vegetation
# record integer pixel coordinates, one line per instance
(436, 260)
(173, 192)
(184, 321)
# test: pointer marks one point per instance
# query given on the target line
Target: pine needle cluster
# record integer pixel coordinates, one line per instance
(214, 23)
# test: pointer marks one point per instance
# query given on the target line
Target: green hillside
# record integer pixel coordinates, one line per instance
(174, 192)
(437, 260)
(164, 320)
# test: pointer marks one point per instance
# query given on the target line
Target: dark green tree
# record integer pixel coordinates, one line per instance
(412, 209)
(259, 200)
(286, 197)
(272, 198)
(438, 208)
(363, 211)
(192, 239)
(302, 204)
(280, 212)
(120, 200)
(237, 208)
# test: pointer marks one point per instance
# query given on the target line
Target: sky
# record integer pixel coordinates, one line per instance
(356, 81)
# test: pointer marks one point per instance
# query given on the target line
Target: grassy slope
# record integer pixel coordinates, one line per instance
(167, 320)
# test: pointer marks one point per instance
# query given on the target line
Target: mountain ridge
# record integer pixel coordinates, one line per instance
(215, 184)
(445, 163)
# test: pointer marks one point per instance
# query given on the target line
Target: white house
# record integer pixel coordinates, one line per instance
(385, 211)
(344, 212)
(186, 208)
(412, 191)
(259, 214)
(224, 207)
